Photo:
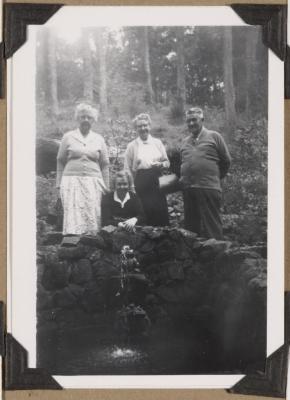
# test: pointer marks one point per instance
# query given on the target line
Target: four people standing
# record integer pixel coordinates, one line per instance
(83, 178)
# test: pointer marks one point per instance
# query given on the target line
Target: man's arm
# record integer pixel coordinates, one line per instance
(224, 156)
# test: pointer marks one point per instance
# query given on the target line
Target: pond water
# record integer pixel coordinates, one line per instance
(97, 350)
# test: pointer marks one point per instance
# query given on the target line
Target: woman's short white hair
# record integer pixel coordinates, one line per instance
(87, 109)
(142, 117)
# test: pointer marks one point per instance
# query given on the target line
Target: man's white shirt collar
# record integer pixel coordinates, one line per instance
(126, 198)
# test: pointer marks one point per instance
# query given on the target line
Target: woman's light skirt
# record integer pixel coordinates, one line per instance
(81, 199)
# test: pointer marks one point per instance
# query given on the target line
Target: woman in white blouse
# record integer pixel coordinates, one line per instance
(82, 174)
(144, 158)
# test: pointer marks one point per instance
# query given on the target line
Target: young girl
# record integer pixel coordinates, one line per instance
(122, 207)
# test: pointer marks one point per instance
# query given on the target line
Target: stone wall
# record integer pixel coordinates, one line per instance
(209, 284)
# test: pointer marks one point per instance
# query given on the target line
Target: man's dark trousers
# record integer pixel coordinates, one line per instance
(202, 212)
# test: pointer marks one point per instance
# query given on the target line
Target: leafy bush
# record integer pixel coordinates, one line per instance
(245, 187)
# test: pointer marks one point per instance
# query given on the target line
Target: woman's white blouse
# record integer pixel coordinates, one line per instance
(140, 155)
(148, 153)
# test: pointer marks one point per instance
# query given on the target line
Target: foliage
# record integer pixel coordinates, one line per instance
(203, 56)
(245, 187)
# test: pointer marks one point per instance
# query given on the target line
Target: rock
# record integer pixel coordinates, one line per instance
(260, 282)
(165, 250)
(104, 270)
(158, 273)
(76, 290)
(40, 271)
(213, 247)
(48, 315)
(178, 293)
(182, 251)
(81, 271)
(230, 258)
(46, 152)
(174, 234)
(190, 239)
(122, 238)
(195, 272)
(68, 318)
(250, 273)
(258, 250)
(70, 241)
(175, 271)
(187, 263)
(257, 263)
(147, 247)
(56, 275)
(248, 252)
(70, 253)
(64, 298)
(138, 288)
(51, 238)
(146, 259)
(96, 255)
(94, 297)
(148, 230)
(187, 234)
(50, 258)
(93, 241)
(108, 230)
(44, 299)
(155, 234)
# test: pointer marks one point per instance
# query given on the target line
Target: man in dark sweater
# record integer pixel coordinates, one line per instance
(205, 160)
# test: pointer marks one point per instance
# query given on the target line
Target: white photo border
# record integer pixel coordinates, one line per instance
(21, 194)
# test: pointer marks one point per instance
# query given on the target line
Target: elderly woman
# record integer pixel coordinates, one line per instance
(144, 158)
(122, 207)
(82, 174)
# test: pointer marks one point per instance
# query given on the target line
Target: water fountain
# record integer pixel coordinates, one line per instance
(131, 319)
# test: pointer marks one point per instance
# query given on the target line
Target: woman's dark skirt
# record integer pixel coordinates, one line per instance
(153, 200)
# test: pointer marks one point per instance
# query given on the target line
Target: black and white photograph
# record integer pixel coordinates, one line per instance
(151, 183)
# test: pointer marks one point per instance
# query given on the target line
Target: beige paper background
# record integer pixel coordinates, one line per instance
(131, 394)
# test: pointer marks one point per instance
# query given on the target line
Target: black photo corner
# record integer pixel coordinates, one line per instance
(271, 380)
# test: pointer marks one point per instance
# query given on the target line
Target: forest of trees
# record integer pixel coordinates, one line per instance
(124, 70)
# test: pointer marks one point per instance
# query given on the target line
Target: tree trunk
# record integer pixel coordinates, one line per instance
(181, 88)
(102, 41)
(52, 68)
(88, 66)
(147, 68)
(229, 90)
(251, 69)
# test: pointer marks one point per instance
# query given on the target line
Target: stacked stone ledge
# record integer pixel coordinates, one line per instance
(188, 278)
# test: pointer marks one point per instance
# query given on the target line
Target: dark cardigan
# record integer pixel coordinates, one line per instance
(112, 212)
